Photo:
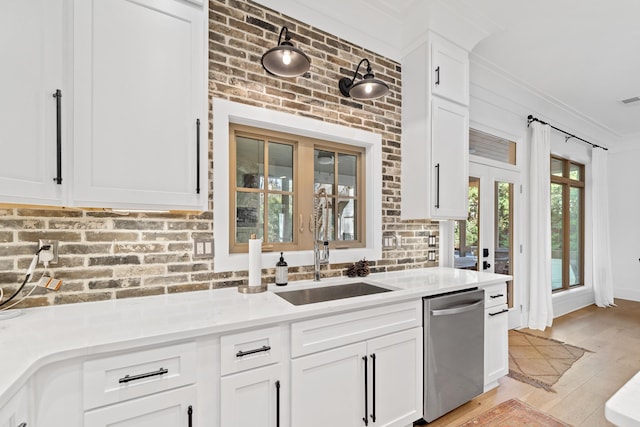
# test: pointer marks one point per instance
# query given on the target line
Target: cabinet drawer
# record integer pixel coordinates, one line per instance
(324, 333)
(495, 295)
(251, 349)
(16, 411)
(138, 373)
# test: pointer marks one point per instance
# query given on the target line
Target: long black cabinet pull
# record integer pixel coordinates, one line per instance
(22, 425)
(499, 312)
(197, 156)
(366, 400)
(58, 97)
(127, 378)
(277, 403)
(255, 350)
(496, 296)
(438, 186)
(373, 387)
(438, 76)
(190, 415)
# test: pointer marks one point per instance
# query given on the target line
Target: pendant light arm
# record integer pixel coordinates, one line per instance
(287, 37)
(355, 74)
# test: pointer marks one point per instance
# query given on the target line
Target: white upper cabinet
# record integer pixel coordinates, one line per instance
(140, 90)
(435, 131)
(31, 42)
(450, 71)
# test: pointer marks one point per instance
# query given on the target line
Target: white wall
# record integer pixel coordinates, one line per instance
(501, 105)
(624, 199)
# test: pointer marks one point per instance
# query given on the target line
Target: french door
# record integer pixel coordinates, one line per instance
(488, 239)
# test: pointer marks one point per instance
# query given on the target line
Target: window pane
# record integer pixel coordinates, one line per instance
(575, 236)
(280, 218)
(557, 246)
(491, 147)
(280, 167)
(347, 175)
(557, 167)
(503, 218)
(324, 176)
(249, 162)
(249, 216)
(466, 232)
(347, 220)
(575, 172)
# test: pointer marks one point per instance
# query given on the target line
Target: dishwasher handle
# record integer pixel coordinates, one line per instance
(458, 309)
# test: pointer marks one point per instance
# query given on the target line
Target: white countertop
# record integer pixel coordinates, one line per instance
(47, 334)
(622, 408)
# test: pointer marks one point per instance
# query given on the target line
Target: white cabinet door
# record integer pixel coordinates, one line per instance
(16, 412)
(139, 91)
(328, 388)
(255, 397)
(450, 68)
(450, 160)
(168, 409)
(496, 345)
(31, 42)
(395, 383)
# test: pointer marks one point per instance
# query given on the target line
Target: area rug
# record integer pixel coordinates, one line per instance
(540, 361)
(514, 413)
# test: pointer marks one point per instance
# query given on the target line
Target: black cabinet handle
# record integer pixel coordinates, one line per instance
(496, 296)
(366, 401)
(438, 186)
(499, 312)
(22, 425)
(437, 75)
(58, 97)
(127, 378)
(197, 156)
(373, 387)
(190, 416)
(255, 350)
(277, 403)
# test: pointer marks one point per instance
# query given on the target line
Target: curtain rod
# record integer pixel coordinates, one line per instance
(530, 119)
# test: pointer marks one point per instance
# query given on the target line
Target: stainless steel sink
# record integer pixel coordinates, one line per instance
(330, 293)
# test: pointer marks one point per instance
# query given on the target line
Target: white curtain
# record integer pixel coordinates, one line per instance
(602, 275)
(540, 303)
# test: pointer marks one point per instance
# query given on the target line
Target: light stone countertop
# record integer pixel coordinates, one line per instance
(622, 408)
(43, 335)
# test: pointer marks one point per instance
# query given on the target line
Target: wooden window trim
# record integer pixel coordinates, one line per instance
(303, 191)
(568, 183)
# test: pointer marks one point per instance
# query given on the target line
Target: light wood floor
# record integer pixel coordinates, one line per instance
(613, 334)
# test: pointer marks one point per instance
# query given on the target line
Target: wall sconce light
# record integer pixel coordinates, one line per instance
(367, 88)
(285, 60)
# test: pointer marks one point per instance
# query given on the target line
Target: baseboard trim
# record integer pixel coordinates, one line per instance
(628, 294)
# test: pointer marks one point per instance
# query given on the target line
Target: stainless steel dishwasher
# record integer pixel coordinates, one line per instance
(453, 350)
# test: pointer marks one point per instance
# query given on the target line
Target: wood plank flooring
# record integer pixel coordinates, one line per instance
(612, 334)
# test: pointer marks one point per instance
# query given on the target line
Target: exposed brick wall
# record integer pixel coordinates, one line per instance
(105, 255)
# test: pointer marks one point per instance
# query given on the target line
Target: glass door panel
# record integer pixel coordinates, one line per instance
(503, 241)
(467, 232)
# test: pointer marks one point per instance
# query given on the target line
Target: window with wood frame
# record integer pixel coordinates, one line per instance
(274, 177)
(567, 224)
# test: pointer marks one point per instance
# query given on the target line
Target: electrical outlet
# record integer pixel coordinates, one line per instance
(50, 255)
(202, 248)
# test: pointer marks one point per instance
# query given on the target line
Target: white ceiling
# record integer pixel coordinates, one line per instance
(583, 54)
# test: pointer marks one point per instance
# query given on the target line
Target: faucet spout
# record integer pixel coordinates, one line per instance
(320, 243)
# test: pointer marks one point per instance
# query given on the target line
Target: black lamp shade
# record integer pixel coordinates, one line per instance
(368, 88)
(286, 61)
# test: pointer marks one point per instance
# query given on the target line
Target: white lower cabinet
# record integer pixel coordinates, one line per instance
(16, 412)
(496, 335)
(254, 397)
(377, 382)
(172, 408)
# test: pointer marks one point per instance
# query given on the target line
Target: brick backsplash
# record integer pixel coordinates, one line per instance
(106, 255)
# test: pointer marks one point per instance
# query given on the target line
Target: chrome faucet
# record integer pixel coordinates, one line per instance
(320, 246)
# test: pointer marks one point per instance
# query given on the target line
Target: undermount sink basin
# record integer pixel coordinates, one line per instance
(330, 293)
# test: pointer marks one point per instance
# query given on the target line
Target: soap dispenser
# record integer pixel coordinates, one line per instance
(282, 271)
